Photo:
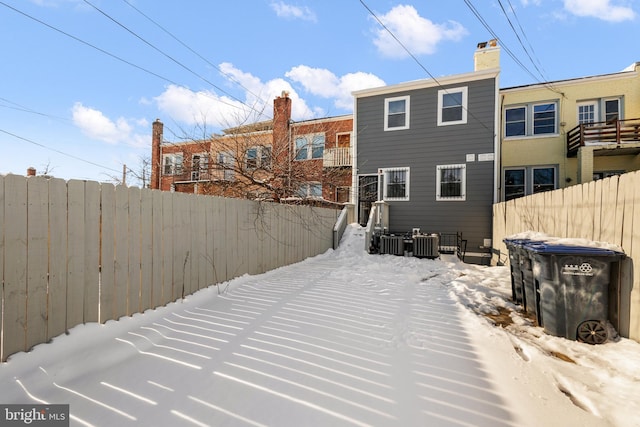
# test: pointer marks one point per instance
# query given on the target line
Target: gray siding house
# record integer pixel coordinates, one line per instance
(428, 148)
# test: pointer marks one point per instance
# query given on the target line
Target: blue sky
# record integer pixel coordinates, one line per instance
(81, 81)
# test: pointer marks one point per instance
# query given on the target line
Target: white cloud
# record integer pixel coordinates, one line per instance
(322, 82)
(419, 35)
(207, 108)
(96, 125)
(284, 10)
(601, 9)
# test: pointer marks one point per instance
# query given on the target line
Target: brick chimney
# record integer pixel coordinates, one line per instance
(281, 143)
(156, 161)
(31, 171)
(487, 56)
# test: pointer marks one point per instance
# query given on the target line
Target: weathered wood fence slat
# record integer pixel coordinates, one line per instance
(74, 251)
(606, 210)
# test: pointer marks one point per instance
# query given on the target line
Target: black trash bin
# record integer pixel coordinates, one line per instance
(571, 289)
(516, 250)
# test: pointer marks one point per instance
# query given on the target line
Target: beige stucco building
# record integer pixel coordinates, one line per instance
(562, 133)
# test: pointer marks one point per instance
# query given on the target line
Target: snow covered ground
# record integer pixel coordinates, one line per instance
(341, 339)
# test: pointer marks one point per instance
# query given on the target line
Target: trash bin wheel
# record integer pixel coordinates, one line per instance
(592, 332)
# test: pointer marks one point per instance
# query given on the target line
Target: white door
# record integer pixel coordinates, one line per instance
(587, 112)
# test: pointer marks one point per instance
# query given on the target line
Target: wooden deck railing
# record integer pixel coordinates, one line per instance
(613, 132)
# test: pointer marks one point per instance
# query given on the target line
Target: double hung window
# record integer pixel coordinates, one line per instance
(451, 182)
(452, 106)
(531, 120)
(309, 146)
(394, 184)
(396, 113)
(519, 182)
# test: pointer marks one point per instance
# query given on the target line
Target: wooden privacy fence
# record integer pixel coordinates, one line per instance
(79, 251)
(606, 210)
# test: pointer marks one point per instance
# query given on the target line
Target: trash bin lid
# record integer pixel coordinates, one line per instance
(516, 242)
(555, 248)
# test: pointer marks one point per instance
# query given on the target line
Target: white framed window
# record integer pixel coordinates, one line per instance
(394, 183)
(587, 112)
(544, 179)
(225, 164)
(396, 113)
(544, 119)
(612, 110)
(199, 167)
(310, 190)
(514, 183)
(452, 106)
(451, 182)
(526, 180)
(599, 110)
(310, 146)
(258, 158)
(528, 120)
(515, 121)
(172, 164)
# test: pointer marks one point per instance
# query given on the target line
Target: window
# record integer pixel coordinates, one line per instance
(515, 121)
(451, 182)
(544, 119)
(395, 184)
(544, 179)
(587, 112)
(199, 167)
(514, 183)
(310, 190)
(172, 164)
(252, 158)
(531, 120)
(452, 106)
(310, 146)
(396, 113)
(258, 157)
(225, 164)
(527, 180)
(611, 110)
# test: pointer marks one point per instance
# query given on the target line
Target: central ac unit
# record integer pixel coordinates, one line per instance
(393, 245)
(426, 246)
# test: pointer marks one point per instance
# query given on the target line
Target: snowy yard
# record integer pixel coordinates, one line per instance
(342, 339)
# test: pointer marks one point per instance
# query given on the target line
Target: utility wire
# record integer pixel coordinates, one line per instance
(160, 51)
(30, 141)
(79, 40)
(493, 132)
(526, 51)
(524, 34)
(227, 75)
(19, 107)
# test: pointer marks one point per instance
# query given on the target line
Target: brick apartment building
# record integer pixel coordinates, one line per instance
(277, 159)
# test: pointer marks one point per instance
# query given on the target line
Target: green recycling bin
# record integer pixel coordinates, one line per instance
(571, 289)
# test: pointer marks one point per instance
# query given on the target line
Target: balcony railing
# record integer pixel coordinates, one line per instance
(214, 173)
(337, 157)
(613, 132)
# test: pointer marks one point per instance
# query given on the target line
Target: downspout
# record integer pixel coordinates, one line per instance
(354, 163)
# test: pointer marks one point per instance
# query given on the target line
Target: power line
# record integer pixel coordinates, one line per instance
(19, 107)
(524, 34)
(180, 64)
(493, 132)
(58, 151)
(105, 52)
(227, 75)
(526, 51)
